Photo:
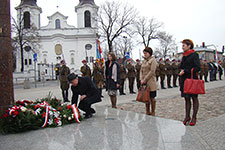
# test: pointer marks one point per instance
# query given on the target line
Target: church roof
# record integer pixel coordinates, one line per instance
(28, 2)
(82, 2)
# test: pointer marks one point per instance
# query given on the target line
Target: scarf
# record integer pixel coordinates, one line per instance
(187, 53)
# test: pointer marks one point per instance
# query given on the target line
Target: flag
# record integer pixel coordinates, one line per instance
(223, 49)
(99, 52)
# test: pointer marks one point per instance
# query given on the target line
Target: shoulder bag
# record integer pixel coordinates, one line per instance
(143, 94)
(194, 86)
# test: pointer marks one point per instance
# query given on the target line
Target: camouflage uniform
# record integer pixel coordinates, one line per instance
(131, 77)
(86, 71)
(138, 68)
(123, 76)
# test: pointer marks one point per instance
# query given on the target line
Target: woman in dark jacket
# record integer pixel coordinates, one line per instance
(190, 60)
(112, 76)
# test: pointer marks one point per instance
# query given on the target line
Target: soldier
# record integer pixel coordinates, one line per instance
(131, 76)
(211, 70)
(97, 74)
(223, 66)
(175, 72)
(123, 76)
(168, 72)
(85, 69)
(202, 72)
(162, 74)
(138, 68)
(157, 72)
(220, 70)
(206, 70)
(215, 70)
(64, 71)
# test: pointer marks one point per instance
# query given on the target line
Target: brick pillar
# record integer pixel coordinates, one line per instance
(6, 78)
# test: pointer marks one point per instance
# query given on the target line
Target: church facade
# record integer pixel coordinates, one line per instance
(59, 40)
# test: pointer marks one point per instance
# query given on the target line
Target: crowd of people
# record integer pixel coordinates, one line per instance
(112, 75)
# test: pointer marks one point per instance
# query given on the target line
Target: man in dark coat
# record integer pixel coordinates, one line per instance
(89, 94)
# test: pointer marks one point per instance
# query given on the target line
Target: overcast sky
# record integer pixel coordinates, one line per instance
(199, 20)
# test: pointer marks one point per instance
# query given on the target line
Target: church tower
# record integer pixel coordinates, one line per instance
(29, 10)
(86, 14)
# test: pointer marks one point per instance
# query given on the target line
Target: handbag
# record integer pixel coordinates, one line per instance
(143, 94)
(194, 86)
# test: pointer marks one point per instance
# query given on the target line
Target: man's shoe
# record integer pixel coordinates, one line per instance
(88, 116)
(132, 92)
(170, 87)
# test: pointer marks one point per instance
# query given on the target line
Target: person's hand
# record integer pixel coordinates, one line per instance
(142, 82)
(181, 72)
(117, 85)
(83, 97)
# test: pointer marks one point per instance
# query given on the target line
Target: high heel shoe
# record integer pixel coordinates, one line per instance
(186, 120)
(193, 123)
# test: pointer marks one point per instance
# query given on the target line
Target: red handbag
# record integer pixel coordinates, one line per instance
(194, 86)
(143, 94)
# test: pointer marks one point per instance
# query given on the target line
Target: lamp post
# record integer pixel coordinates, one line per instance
(216, 57)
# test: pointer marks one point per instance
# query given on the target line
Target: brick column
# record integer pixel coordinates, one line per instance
(6, 78)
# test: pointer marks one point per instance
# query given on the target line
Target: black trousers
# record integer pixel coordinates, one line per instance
(85, 104)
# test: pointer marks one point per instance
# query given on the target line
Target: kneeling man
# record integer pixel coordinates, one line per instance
(89, 94)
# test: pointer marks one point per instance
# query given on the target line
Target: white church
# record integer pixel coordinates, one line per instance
(59, 40)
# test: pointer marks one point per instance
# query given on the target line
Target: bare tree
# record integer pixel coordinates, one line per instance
(167, 45)
(114, 18)
(24, 38)
(123, 45)
(147, 29)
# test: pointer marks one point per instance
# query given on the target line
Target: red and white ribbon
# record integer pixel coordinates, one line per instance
(76, 113)
(46, 116)
(12, 110)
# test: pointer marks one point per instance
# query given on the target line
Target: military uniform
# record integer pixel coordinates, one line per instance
(86, 71)
(162, 74)
(169, 72)
(123, 76)
(175, 73)
(64, 71)
(202, 71)
(206, 70)
(131, 77)
(138, 68)
(98, 78)
(157, 72)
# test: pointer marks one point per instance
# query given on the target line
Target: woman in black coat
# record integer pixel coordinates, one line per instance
(112, 76)
(190, 60)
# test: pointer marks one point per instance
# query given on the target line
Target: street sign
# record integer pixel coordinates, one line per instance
(35, 56)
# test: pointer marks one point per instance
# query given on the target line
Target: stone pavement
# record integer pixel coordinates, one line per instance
(117, 129)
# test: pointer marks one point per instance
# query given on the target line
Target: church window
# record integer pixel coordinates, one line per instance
(57, 24)
(72, 59)
(26, 20)
(25, 61)
(87, 18)
(30, 62)
(45, 58)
